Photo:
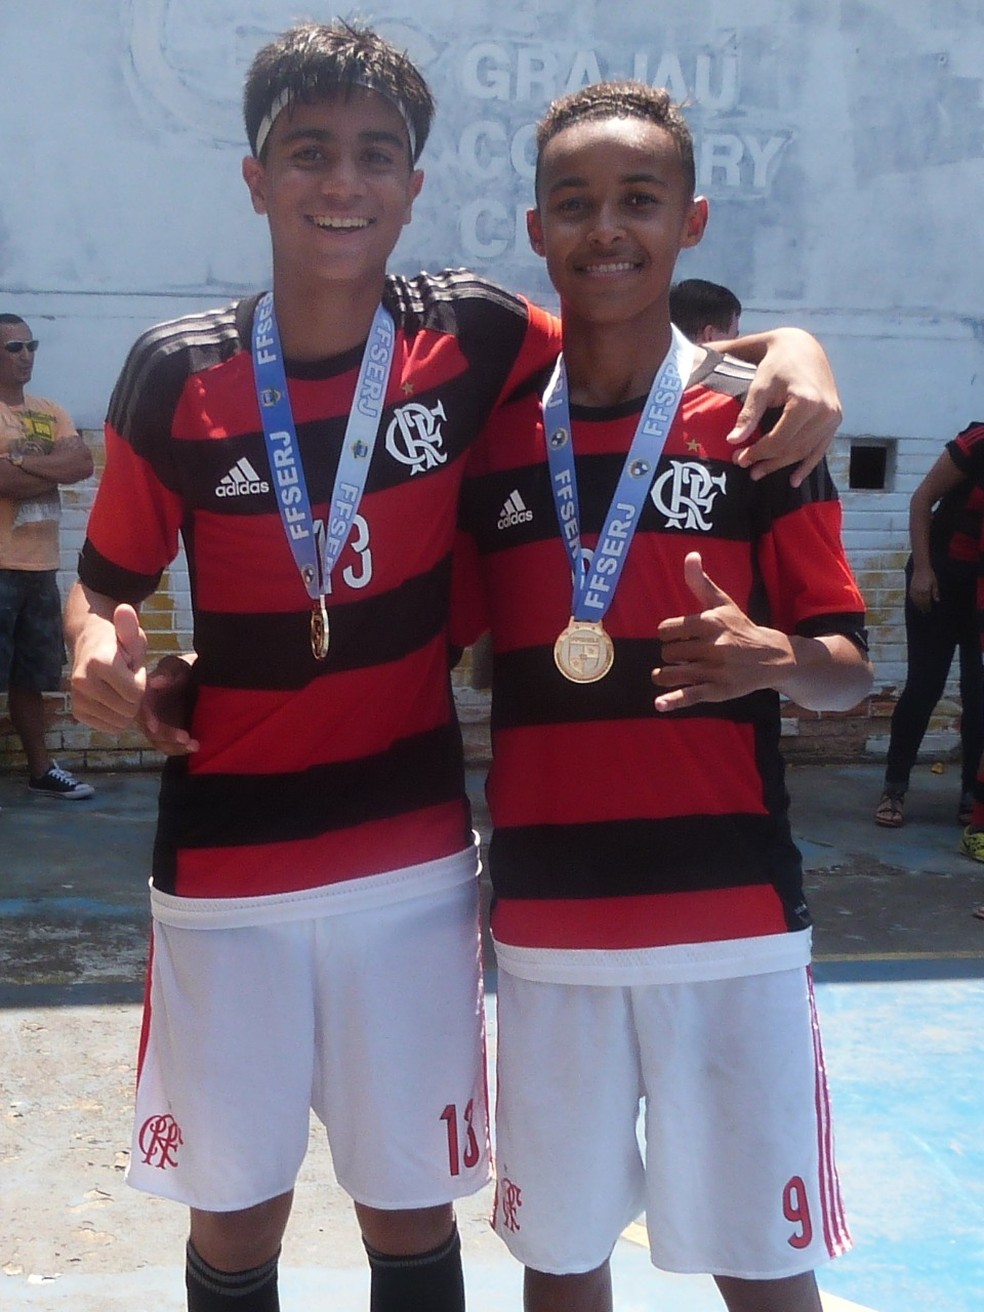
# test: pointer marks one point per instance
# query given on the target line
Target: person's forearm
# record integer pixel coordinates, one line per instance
(920, 517)
(69, 461)
(83, 607)
(827, 674)
(16, 484)
(751, 347)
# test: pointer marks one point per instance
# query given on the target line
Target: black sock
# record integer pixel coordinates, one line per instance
(419, 1282)
(230, 1291)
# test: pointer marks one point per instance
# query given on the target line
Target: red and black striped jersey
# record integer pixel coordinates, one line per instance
(309, 773)
(956, 526)
(615, 827)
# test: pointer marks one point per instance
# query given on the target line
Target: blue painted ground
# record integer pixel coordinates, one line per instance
(902, 1030)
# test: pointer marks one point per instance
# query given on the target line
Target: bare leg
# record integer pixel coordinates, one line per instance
(27, 716)
(587, 1292)
(405, 1233)
(240, 1241)
(793, 1294)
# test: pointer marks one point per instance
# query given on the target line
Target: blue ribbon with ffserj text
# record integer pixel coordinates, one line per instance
(595, 581)
(280, 436)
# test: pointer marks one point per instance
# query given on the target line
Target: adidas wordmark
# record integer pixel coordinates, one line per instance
(242, 480)
(514, 511)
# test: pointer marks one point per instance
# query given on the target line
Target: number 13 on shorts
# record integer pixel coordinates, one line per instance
(463, 1149)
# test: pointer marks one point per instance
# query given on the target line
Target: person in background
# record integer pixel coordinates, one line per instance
(40, 450)
(705, 311)
(945, 517)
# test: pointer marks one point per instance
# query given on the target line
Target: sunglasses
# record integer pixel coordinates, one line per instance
(15, 348)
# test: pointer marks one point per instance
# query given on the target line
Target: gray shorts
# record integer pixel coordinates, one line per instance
(32, 650)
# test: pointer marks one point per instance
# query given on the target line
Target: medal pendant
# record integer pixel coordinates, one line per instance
(584, 652)
(319, 630)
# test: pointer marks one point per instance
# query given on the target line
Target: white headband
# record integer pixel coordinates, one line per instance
(284, 99)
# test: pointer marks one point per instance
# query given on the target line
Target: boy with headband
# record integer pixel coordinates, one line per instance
(314, 886)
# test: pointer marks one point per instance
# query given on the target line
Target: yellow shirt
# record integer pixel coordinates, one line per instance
(29, 528)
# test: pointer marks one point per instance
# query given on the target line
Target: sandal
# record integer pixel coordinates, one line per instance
(888, 812)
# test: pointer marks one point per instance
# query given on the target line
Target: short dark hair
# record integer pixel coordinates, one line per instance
(12, 318)
(320, 61)
(619, 100)
(695, 303)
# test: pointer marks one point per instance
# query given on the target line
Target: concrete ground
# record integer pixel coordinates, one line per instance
(900, 984)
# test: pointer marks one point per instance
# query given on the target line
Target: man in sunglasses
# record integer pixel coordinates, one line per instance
(40, 449)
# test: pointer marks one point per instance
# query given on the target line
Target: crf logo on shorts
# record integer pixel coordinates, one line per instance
(414, 436)
(509, 1198)
(686, 493)
(159, 1139)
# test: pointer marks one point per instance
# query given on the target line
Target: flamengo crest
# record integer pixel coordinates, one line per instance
(414, 436)
(686, 493)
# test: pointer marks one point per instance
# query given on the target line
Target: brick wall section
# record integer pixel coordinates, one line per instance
(166, 617)
(875, 534)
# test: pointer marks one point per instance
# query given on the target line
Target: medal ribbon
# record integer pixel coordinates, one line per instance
(280, 436)
(595, 584)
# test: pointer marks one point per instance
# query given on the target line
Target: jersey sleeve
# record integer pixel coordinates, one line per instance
(132, 533)
(541, 342)
(469, 604)
(470, 615)
(808, 582)
(540, 349)
(966, 451)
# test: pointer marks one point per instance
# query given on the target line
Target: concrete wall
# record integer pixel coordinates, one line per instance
(840, 143)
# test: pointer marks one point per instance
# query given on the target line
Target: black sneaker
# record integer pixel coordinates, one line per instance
(59, 783)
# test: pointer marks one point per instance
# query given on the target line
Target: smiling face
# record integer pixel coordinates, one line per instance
(614, 211)
(15, 370)
(336, 186)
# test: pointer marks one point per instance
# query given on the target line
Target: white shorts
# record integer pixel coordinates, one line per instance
(736, 1173)
(373, 1018)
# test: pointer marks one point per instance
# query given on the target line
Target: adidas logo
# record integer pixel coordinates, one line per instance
(514, 511)
(242, 480)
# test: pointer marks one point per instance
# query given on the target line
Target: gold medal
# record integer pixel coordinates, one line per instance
(584, 653)
(319, 630)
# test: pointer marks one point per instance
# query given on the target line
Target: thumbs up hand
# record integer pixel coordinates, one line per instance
(716, 653)
(109, 675)
(130, 638)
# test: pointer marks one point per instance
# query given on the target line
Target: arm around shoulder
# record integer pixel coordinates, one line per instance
(793, 373)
